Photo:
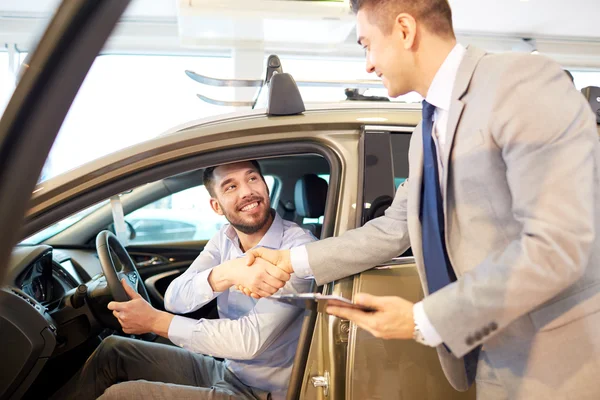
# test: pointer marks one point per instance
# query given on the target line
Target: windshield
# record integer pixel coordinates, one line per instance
(61, 225)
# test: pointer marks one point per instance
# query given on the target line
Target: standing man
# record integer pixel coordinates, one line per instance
(501, 209)
(257, 338)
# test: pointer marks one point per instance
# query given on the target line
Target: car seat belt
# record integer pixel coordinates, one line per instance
(119, 220)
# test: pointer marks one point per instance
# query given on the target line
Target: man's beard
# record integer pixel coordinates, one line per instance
(248, 228)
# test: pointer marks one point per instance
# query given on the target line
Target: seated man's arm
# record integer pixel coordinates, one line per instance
(246, 337)
(192, 289)
(243, 338)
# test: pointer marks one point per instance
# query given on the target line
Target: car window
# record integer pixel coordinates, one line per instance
(399, 155)
(400, 143)
(182, 216)
(60, 226)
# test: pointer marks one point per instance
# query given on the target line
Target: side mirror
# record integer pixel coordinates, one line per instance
(130, 229)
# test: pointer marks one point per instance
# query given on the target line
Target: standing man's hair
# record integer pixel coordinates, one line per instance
(208, 177)
(435, 15)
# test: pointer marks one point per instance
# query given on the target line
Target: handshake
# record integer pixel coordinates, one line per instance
(266, 271)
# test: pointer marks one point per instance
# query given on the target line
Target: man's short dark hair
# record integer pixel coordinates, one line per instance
(436, 15)
(208, 177)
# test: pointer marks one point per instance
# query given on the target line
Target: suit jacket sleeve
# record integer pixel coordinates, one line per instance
(547, 137)
(360, 249)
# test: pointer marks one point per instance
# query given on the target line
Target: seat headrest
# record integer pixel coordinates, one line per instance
(378, 207)
(310, 195)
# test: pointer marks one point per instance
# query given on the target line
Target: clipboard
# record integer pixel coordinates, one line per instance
(310, 301)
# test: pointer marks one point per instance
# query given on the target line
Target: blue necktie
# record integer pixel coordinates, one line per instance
(438, 269)
(437, 265)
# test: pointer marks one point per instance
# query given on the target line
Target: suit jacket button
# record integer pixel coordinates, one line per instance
(486, 331)
(493, 326)
(470, 341)
(478, 336)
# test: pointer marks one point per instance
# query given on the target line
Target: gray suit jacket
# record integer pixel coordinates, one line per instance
(522, 210)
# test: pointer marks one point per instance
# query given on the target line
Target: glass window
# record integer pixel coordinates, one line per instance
(127, 99)
(182, 216)
(313, 220)
(398, 181)
(584, 79)
(60, 226)
(400, 143)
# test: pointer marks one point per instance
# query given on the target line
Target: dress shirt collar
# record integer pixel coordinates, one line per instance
(272, 239)
(440, 91)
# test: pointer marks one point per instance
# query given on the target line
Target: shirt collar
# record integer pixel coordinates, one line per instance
(440, 91)
(272, 239)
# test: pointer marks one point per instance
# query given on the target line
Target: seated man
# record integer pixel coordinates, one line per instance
(258, 338)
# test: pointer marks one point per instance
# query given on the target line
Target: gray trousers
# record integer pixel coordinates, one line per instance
(122, 368)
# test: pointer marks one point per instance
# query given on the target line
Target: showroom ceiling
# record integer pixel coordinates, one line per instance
(566, 31)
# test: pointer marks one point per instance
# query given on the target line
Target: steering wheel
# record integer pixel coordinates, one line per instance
(116, 265)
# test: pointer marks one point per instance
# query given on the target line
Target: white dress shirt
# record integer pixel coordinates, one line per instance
(258, 338)
(440, 96)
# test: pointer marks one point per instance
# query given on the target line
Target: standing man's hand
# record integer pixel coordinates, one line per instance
(393, 318)
(278, 258)
(137, 316)
(263, 279)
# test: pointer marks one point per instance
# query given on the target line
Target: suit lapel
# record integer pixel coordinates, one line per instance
(463, 79)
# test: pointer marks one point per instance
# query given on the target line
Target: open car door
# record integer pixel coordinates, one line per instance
(28, 129)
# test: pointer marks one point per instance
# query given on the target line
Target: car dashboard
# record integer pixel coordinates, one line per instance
(46, 280)
(38, 282)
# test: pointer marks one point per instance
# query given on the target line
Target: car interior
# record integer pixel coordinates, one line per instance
(58, 270)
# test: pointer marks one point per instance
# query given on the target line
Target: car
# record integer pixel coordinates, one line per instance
(358, 149)
(52, 304)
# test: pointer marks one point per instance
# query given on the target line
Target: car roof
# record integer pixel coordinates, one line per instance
(324, 117)
(359, 107)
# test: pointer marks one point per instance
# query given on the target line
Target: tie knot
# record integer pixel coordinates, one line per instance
(428, 110)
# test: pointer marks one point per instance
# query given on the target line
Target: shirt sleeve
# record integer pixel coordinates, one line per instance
(243, 338)
(191, 290)
(431, 336)
(300, 265)
(246, 337)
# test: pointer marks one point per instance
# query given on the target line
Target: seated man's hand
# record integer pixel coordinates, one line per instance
(278, 258)
(137, 316)
(264, 278)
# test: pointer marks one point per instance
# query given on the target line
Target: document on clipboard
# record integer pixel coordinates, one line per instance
(311, 300)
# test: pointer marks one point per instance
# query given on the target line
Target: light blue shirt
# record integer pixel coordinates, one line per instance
(258, 338)
(439, 95)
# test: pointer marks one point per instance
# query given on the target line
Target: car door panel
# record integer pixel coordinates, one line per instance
(395, 369)
(346, 362)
